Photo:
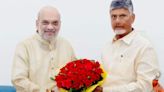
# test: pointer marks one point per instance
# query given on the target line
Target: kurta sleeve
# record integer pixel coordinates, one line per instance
(147, 69)
(20, 71)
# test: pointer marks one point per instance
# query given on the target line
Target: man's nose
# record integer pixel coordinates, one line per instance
(118, 19)
(50, 26)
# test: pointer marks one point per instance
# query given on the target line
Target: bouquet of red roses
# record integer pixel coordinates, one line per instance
(80, 76)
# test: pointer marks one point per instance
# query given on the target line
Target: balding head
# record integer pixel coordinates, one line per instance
(48, 23)
(48, 10)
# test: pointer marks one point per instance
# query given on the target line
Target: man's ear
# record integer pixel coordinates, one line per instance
(37, 25)
(133, 17)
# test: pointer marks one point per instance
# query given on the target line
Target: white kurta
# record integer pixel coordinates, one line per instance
(36, 60)
(131, 63)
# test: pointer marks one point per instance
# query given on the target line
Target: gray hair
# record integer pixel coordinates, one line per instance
(127, 4)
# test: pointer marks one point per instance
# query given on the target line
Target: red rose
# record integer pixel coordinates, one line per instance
(79, 74)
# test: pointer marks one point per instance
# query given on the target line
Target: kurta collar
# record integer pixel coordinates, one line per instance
(128, 38)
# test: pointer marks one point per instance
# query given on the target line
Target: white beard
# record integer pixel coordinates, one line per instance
(120, 31)
(48, 38)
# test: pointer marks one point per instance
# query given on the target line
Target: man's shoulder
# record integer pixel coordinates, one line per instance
(142, 39)
(63, 43)
(28, 40)
(107, 45)
(62, 40)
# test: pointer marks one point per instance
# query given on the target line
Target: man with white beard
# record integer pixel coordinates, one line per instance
(130, 59)
(42, 55)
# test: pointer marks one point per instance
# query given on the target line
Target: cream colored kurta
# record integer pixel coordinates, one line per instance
(36, 60)
(131, 63)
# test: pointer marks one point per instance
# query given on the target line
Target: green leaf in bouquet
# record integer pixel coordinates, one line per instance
(72, 90)
(52, 78)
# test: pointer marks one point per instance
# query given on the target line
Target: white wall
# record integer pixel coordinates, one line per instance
(85, 23)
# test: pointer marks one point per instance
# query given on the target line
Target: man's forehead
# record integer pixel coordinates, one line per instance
(119, 11)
